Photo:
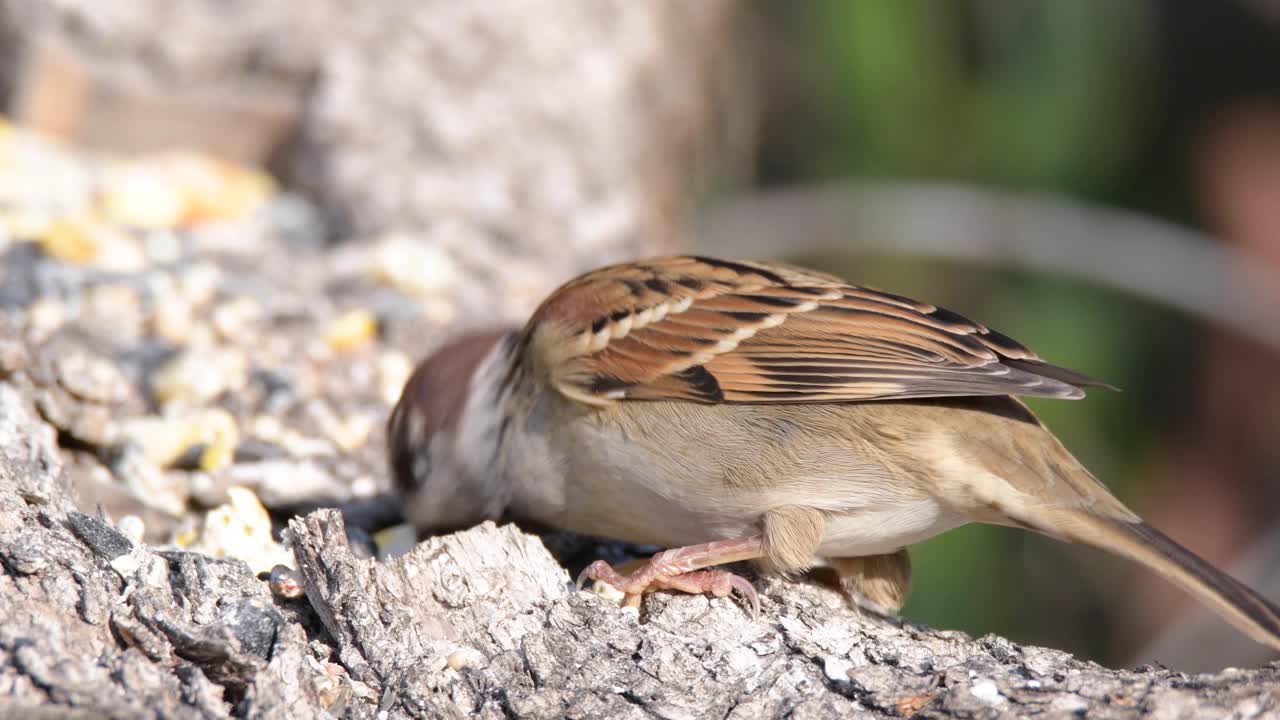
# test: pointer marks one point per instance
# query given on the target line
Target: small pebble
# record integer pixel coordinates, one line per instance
(137, 194)
(192, 378)
(133, 528)
(91, 377)
(199, 283)
(285, 582)
(161, 440)
(267, 428)
(837, 668)
(92, 425)
(126, 565)
(213, 190)
(154, 571)
(70, 241)
(171, 319)
(987, 692)
(44, 316)
(234, 320)
(217, 429)
(416, 267)
(91, 241)
(216, 455)
(112, 312)
(165, 439)
(465, 657)
(351, 330)
(242, 529)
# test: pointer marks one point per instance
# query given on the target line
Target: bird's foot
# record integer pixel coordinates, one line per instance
(669, 570)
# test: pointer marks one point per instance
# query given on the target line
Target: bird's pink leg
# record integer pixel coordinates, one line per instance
(683, 569)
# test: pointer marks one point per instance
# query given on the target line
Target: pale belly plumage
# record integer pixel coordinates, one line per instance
(886, 529)
(612, 480)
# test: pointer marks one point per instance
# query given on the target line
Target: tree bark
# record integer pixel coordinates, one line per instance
(485, 623)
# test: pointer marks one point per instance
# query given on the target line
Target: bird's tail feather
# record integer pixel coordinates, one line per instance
(1237, 603)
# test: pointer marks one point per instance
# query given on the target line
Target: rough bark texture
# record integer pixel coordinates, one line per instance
(483, 623)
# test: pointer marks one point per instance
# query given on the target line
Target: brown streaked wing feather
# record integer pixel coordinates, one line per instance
(711, 330)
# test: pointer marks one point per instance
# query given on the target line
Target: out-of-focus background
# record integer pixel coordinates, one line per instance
(1167, 109)
(227, 229)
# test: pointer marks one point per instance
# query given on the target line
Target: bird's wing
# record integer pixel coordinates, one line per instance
(711, 330)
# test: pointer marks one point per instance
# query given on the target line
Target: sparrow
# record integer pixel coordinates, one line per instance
(734, 410)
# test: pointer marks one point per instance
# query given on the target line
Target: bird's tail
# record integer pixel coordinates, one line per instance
(1237, 603)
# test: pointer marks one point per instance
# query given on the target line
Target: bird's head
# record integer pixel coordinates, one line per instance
(442, 436)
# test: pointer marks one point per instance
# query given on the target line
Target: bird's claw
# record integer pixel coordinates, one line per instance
(720, 583)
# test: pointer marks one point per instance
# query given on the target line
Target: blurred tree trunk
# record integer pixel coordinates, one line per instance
(531, 141)
(525, 142)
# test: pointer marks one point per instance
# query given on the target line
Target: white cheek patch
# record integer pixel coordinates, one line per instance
(475, 439)
(421, 467)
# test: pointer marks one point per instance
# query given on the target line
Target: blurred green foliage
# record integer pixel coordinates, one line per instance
(1113, 434)
(1042, 95)
(1039, 93)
